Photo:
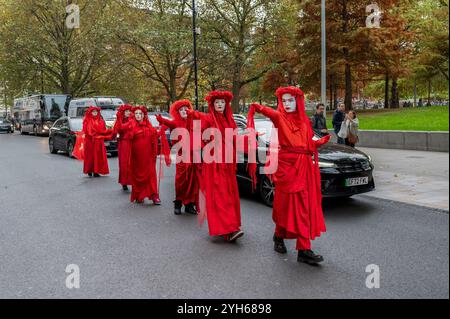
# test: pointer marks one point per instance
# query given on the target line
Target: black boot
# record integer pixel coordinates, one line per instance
(125, 188)
(279, 246)
(309, 257)
(190, 209)
(231, 238)
(177, 207)
(96, 175)
(90, 174)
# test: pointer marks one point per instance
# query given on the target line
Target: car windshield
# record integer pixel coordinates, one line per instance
(109, 114)
(54, 106)
(76, 125)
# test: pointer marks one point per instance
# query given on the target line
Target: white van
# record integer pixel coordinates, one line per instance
(109, 106)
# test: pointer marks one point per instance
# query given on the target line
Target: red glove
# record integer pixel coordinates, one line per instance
(159, 118)
(324, 140)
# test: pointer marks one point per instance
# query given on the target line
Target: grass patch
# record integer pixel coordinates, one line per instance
(433, 118)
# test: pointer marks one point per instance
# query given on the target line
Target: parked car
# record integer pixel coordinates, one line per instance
(63, 136)
(6, 126)
(345, 171)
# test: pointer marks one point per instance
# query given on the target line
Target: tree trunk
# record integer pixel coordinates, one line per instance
(395, 103)
(331, 90)
(236, 98)
(429, 91)
(386, 91)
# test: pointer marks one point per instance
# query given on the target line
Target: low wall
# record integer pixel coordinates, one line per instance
(405, 140)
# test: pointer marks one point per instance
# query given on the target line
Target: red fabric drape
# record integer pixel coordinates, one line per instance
(218, 181)
(298, 197)
(95, 159)
(186, 178)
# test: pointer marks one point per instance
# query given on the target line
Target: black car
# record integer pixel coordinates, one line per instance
(63, 136)
(345, 171)
(6, 126)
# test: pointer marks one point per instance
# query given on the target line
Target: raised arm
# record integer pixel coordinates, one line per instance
(166, 122)
(204, 118)
(266, 111)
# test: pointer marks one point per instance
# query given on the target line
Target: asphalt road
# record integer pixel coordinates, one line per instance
(52, 216)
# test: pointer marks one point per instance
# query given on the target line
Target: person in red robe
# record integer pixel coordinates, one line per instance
(144, 153)
(186, 178)
(297, 207)
(95, 158)
(218, 181)
(124, 143)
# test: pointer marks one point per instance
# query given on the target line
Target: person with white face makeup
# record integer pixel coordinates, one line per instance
(124, 116)
(218, 183)
(297, 207)
(143, 155)
(186, 178)
(94, 129)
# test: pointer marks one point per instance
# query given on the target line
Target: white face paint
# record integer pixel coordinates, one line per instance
(289, 103)
(183, 112)
(94, 113)
(127, 113)
(139, 115)
(219, 105)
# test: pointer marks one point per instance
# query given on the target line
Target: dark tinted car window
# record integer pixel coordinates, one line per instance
(57, 124)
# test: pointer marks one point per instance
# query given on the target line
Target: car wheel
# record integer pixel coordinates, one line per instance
(267, 190)
(51, 146)
(70, 149)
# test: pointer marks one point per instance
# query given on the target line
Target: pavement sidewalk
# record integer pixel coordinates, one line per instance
(414, 177)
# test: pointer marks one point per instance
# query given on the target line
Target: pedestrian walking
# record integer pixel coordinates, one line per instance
(186, 178)
(124, 116)
(338, 119)
(297, 207)
(218, 185)
(318, 120)
(350, 129)
(94, 130)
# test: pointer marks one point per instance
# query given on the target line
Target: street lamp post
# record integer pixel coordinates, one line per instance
(324, 57)
(194, 27)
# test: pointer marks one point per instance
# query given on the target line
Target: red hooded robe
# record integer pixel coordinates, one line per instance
(186, 179)
(124, 143)
(95, 159)
(218, 181)
(297, 208)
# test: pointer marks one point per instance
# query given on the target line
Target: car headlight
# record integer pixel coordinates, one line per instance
(46, 127)
(327, 165)
(369, 158)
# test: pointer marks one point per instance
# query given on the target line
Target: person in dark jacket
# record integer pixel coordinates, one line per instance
(338, 119)
(319, 122)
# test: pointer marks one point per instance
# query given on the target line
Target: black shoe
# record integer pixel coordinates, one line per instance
(177, 207)
(90, 174)
(190, 209)
(309, 257)
(234, 236)
(96, 175)
(279, 246)
(125, 188)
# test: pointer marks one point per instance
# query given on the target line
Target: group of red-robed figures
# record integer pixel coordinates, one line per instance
(210, 189)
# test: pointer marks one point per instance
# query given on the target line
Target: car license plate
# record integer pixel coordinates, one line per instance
(356, 181)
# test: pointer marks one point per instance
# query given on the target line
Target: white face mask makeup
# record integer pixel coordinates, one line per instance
(183, 112)
(139, 115)
(289, 103)
(219, 105)
(94, 113)
(127, 113)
